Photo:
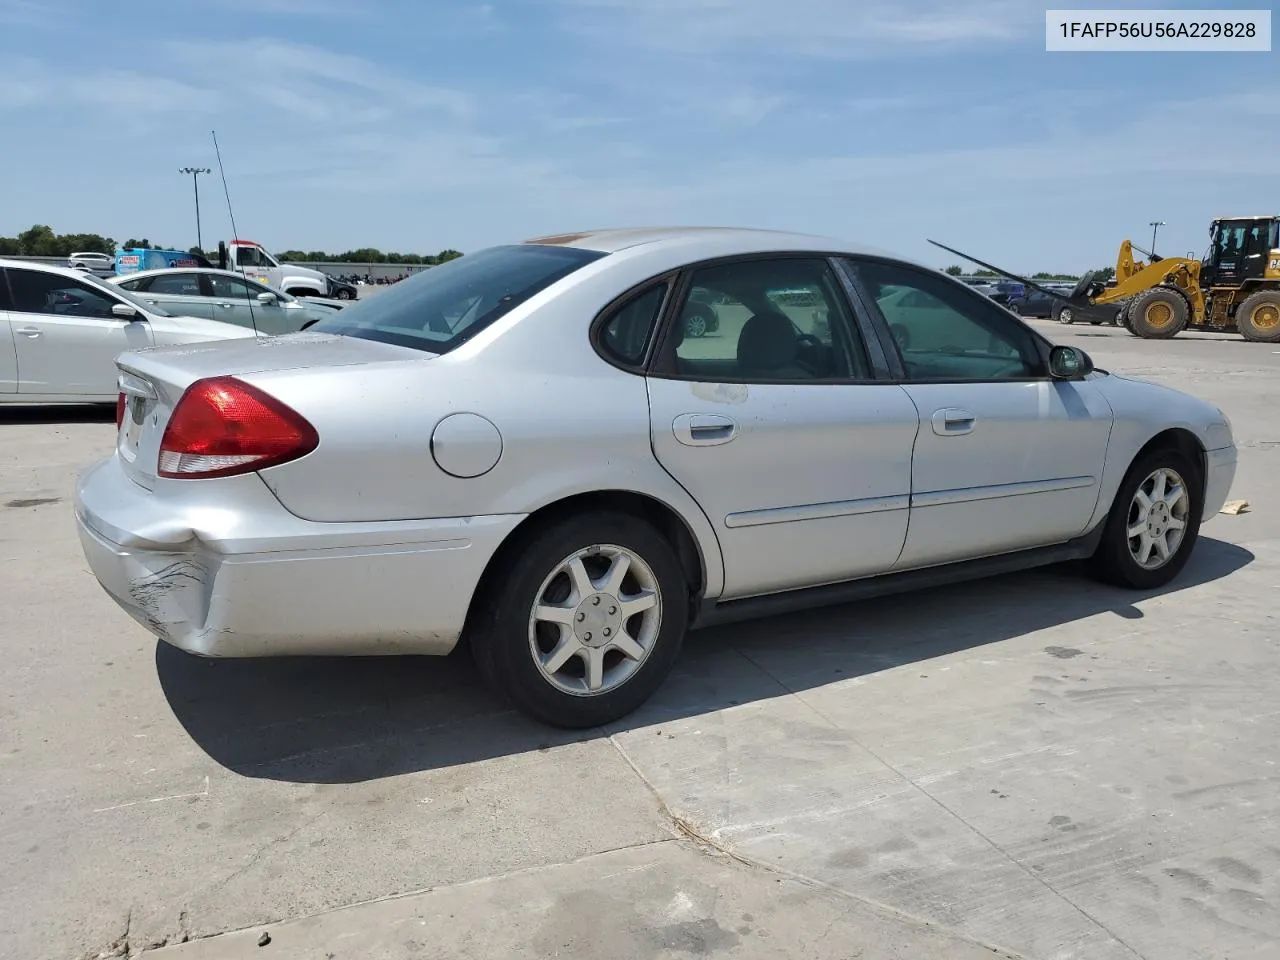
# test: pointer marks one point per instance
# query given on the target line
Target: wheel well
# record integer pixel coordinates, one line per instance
(665, 520)
(1186, 443)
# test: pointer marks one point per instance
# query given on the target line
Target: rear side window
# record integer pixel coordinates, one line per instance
(443, 307)
(624, 336)
(179, 284)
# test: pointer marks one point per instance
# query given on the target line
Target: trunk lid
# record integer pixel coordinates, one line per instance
(154, 379)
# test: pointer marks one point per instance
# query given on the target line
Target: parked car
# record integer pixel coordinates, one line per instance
(61, 330)
(225, 296)
(99, 264)
(1034, 303)
(1093, 314)
(522, 448)
(342, 289)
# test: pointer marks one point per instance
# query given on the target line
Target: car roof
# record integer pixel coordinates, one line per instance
(42, 267)
(158, 271)
(745, 239)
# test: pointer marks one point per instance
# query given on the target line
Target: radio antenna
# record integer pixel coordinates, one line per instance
(235, 234)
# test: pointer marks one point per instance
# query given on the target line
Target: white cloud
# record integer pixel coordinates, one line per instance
(310, 82)
(836, 29)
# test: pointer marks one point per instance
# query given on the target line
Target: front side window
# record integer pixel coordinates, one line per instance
(443, 307)
(249, 257)
(233, 287)
(765, 320)
(945, 332)
(53, 294)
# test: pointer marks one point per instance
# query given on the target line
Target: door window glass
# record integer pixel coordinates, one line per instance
(178, 284)
(947, 332)
(233, 287)
(625, 335)
(50, 293)
(765, 321)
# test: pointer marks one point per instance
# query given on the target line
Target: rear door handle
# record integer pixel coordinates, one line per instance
(225, 306)
(953, 422)
(28, 331)
(703, 429)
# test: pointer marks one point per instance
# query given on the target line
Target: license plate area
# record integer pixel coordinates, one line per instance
(139, 397)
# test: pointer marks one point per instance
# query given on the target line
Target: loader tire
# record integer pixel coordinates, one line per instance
(1158, 313)
(1258, 317)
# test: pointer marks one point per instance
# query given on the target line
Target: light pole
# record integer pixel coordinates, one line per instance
(195, 183)
(1155, 225)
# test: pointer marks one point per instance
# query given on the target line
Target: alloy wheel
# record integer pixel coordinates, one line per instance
(595, 620)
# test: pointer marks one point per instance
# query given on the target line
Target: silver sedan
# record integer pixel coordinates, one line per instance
(521, 448)
(224, 296)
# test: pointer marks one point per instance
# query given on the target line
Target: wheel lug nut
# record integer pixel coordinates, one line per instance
(586, 636)
(596, 601)
(612, 611)
(608, 632)
(581, 617)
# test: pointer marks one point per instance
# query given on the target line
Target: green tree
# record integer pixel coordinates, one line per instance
(955, 270)
(39, 241)
(1106, 273)
(444, 256)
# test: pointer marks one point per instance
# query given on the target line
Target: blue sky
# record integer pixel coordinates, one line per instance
(416, 126)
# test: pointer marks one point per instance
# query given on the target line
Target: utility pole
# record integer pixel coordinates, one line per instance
(1155, 225)
(195, 183)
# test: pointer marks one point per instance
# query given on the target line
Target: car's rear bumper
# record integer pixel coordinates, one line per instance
(239, 576)
(1220, 474)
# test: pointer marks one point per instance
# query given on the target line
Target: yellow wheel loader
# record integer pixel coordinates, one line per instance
(1235, 288)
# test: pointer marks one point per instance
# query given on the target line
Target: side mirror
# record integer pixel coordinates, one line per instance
(267, 297)
(1069, 363)
(124, 311)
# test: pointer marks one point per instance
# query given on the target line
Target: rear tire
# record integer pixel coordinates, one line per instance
(1066, 315)
(1119, 559)
(1159, 313)
(550, 611)
(1258, 317)
(698, 321)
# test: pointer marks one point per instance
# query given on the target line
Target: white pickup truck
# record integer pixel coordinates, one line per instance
(252, 260)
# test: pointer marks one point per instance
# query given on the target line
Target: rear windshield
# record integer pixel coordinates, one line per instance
(443, 307)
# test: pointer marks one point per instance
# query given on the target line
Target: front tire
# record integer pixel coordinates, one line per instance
(583, 620)
(1154, 522)
(1159, 313)
(1258, 317)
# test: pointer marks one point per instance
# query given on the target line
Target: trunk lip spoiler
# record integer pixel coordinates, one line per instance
(134, 385)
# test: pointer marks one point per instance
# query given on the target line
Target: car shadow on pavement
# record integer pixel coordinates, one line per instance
(352, 719)
(58, 413)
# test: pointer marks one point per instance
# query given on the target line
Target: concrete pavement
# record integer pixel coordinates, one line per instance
(1036, 764)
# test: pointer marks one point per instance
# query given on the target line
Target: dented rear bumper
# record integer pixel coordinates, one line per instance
(223, 570)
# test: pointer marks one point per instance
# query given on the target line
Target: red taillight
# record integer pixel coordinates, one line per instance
(223, 426)
(120, 404)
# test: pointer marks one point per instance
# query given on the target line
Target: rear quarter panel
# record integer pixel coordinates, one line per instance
(570, 422)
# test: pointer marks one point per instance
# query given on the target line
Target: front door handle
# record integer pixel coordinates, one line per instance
(703, 429)
(225, 306)
(953, 422)
(28, 331)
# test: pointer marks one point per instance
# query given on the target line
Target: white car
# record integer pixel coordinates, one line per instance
(100, 264)
(61, 330)
(523, 447)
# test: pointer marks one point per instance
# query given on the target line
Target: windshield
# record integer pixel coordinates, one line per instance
(128, 295)
(443, 307)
